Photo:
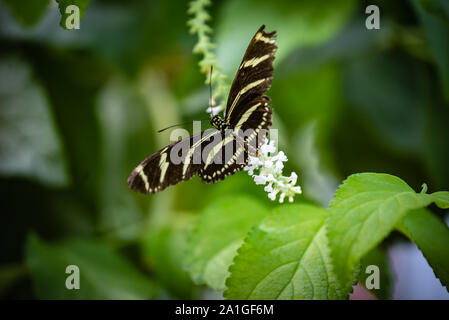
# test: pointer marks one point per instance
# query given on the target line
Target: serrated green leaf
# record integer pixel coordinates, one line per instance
(285, 257)
(63, 4)
(431, 236)
(378, 257)
(218, 233)
(365, 209)
(104, 274)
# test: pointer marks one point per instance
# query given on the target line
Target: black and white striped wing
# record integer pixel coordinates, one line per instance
(247, 105)
(223, 159)
(177, 162)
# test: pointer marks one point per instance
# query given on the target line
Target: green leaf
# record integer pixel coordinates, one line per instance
(30, 144)
(104, 274)
(63, 4)
(442, 199)
(378, 257)
(163, 248)
(27, 12)
(431, 236)
(285, 257)
(365, 209)
(218, 234)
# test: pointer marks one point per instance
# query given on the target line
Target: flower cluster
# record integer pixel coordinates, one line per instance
(269, 167)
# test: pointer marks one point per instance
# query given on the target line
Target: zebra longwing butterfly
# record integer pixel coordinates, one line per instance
(216, 153)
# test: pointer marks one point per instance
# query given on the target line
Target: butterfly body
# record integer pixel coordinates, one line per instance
(223, 150)
(219, 123)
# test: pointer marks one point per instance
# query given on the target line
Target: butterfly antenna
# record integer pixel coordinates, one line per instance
(179, 124)
(175, 125)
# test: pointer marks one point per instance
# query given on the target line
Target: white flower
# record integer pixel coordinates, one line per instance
(260, 179)
(270, 168)
(279, 165)
(268, 187)
(267, 148)
(293, 177)
(281, 197)
(253, 161)
(280, 157)
(214, 110)
(268, 164)
(272, 194)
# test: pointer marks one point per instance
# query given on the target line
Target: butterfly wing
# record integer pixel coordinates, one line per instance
(247, 105)
(177, 162)
(223, 158)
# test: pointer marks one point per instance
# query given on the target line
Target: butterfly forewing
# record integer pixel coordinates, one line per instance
(253, 77)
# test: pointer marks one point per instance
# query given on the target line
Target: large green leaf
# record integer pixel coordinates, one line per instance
(104, 274)
(285, 257)
(431, 236)
(218, 234)
(365, 209)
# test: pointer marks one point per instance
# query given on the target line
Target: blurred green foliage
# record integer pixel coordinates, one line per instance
(80, 108)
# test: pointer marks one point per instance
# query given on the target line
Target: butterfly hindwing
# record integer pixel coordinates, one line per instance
(223, 158)
(177, 162)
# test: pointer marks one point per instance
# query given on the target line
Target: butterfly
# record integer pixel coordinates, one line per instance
(223, 150)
